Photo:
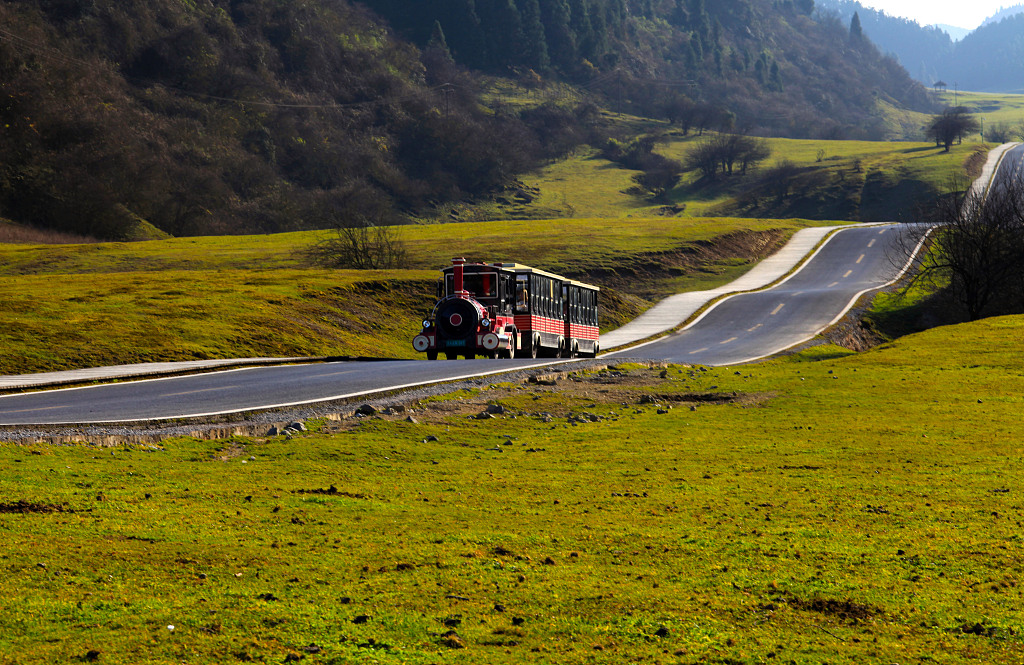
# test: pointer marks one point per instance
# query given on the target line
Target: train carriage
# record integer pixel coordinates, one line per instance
(509, 310)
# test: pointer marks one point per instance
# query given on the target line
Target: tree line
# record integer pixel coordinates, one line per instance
(251, 116)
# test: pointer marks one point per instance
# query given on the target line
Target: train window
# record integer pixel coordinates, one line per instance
(522, 294)
(481, 285)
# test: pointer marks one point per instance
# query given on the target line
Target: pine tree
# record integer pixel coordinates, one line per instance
(579, 20)
(775, 77)
(856, 33)
(503, 31)
(560, 38)
(463, 35)
(599, 25)
(615, 14)
(535, 43)
(438, 41)
(679, 16)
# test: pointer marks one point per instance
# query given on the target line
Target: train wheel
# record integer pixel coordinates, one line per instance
(431, 355)
(451, 355)
(534, 347)
(470, 355)
(511, 352)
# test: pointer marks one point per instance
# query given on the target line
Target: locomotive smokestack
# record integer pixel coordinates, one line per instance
(458, 263)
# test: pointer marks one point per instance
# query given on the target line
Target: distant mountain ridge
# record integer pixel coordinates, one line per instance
(956, 33)
(988, 59)
(1004, 13)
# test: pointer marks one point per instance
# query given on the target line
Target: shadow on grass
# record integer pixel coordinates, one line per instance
(922, 149)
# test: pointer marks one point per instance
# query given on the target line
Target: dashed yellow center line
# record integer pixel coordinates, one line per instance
(755, 327)
(861, 258)
(778, 309)
(698, 350)
(882, 231)
(196, 392)
(40, 408)
(848, 273)
(731, 339)
(832, 284)
(872, 243)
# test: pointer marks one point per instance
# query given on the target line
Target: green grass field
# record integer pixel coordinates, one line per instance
(826, 507)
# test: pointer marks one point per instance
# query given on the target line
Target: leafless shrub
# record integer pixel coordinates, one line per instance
(999, 132)
(976, 251)
(366, 247)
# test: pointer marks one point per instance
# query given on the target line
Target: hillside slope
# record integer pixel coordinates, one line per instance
(229, 116)
(776, 68)
(222, 117)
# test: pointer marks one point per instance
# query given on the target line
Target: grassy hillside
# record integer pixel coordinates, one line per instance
(69, 306)
(789, 512)
(995, 108)
(855, 180)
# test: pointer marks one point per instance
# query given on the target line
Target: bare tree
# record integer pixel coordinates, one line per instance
(365, 234)
(951, 125)
(725, 151)
(367, 247)
(976, 252)
(779, 179)
(999, 132)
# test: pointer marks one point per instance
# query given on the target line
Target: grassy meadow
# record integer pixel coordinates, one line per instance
(995, 108)
(855, 180)
(824, 507)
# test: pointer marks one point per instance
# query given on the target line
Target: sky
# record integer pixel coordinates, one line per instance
(950, 12)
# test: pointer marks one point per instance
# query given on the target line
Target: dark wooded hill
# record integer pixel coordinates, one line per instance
(230, 116)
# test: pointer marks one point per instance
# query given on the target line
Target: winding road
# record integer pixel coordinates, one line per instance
(737, 329)
(749, 326)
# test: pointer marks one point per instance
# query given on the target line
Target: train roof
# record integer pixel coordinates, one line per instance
(520, 268)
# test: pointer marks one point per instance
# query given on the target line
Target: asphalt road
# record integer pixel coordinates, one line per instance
(752, 325)
(737, 329)
(235, 391)
(1011, 167)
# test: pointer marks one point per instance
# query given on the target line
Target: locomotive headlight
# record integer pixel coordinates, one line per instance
(486, 323)
(426, 323)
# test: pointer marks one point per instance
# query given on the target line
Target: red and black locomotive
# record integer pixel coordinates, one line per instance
(508, 310)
